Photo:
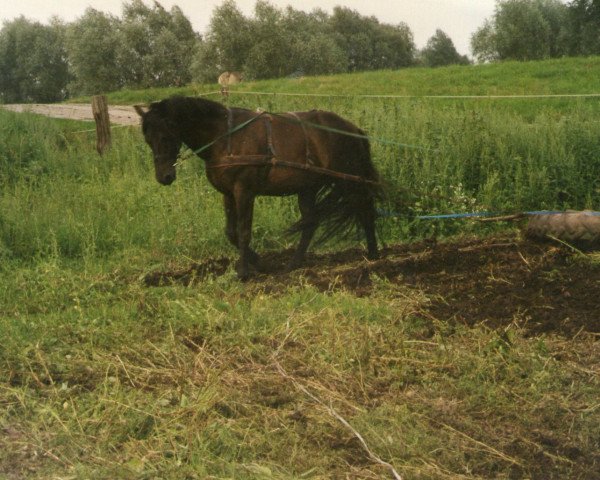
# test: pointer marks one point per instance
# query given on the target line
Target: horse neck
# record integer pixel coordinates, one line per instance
(197, 130)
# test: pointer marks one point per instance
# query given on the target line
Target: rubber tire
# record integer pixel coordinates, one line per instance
(577, 228)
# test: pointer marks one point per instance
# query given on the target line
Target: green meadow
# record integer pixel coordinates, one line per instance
(105, 377)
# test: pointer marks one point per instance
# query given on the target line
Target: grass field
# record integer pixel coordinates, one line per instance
(549, 77)
(130, 350)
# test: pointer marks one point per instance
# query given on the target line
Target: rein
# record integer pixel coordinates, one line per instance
(382, 141)
(229, 132)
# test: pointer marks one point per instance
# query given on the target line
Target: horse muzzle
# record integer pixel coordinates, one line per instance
(166, 179)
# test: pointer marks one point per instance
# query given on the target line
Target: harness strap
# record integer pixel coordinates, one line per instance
(270, 161)
(269, 128)
(228, 133)
(268, 120)
(229, 129)
(309, 158)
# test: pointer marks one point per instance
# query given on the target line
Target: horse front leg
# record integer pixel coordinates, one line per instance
(306, 203)
(231, 227)
(244, 203)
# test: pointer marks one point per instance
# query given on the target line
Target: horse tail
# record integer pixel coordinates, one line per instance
(344, 205)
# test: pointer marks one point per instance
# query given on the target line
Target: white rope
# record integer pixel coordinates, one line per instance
(458, 97)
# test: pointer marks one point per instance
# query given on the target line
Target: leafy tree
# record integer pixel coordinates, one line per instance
(276, 42)
(523, 30)
(314, 49)
(92, 44)
(483, 43)
(440, 51)
(269, 55)
(167, 64)
(394, 46)
(226, 44)
(370, 45)
(156, 47)
(354, 36)
(319, 54)
(33, 62)
(584, 18)
(148, 47)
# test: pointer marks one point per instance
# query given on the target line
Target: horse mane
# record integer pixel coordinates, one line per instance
(180, 109)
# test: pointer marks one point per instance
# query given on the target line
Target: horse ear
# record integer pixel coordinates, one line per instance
(140, 110)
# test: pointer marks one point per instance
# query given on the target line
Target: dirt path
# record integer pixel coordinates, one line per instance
(121, 115)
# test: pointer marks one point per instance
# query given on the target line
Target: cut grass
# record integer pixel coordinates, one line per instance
(187, 383)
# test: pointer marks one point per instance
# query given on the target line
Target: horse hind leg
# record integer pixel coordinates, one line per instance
(366, 216)
(244, 203)
(306, 203)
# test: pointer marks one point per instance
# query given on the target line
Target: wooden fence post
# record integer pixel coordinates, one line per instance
(100, 111)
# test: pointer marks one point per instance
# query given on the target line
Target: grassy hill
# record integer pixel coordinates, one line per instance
(549, 77)
(130, 350)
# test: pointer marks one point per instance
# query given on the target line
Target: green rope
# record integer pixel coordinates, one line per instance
(226, 134)
(349, 134)
(308, 124)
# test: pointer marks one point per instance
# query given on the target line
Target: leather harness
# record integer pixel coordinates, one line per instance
(270, 158)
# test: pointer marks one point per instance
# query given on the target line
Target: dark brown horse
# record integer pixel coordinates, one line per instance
(317, 155)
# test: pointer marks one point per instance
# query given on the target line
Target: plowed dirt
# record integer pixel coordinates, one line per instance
(496, 281)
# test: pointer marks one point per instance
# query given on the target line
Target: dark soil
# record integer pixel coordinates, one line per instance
(494, 281)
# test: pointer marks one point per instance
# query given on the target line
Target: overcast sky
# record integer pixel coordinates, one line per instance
(458, 18)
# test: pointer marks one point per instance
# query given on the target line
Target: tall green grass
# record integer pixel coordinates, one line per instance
(60, 198)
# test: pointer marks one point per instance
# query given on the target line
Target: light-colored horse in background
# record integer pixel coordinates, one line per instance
(229, 78)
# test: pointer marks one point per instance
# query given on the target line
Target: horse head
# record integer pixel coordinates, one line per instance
(162, 140)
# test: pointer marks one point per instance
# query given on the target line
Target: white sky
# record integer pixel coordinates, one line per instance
(457, 18)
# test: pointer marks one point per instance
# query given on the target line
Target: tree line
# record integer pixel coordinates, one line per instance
(537, 29)
(148, 46)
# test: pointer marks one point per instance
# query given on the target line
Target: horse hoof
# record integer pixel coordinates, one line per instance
(294, 264)
(243, 272)
(373, 256)
(243, 276)
(291, 267)
(253, 258)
